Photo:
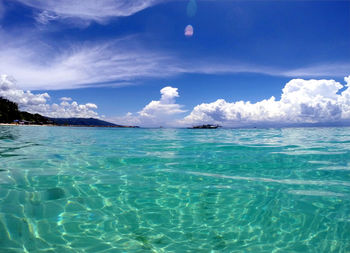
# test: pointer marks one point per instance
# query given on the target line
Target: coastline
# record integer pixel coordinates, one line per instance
(10, 124)
(49, 125)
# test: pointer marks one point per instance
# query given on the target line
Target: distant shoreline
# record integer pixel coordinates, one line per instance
(11, 124)
(247, 127)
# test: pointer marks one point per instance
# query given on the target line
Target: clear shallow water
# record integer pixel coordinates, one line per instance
(165, 190)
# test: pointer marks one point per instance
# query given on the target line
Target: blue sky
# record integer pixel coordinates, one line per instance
(119, 55)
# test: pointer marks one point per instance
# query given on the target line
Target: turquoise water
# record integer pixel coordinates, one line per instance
(174, 190)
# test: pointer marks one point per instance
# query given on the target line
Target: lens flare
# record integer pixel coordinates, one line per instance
(189, 31)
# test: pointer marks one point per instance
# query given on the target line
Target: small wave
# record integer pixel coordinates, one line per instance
(311, 152)
(335, 168)
(219, 187)
(263, 179)
(320, 162)
(316, 193)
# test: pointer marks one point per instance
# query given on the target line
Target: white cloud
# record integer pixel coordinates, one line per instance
(165, 106)
(214, 66)
(302, 101)
(46, 17)
(38, 66)
(38, 103)
(330, 69)
(41, 66)
(88, 10)
(68, 110)
(128, 119)
(26, 99)
(157, 113)
(66, 99)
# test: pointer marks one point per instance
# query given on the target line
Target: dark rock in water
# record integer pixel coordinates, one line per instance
(54, 193)
(208, 126)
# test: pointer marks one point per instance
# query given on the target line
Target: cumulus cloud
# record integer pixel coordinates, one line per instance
(90, 10)
(129, 119)
(165, 106)
(38, 103)
(25, 99)
(68, 110)
(302, 101)
(66, 99)
(157, 113)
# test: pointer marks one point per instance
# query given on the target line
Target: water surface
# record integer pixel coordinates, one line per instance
(174, 190)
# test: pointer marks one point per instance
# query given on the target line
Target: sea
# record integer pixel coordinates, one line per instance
(75, 189)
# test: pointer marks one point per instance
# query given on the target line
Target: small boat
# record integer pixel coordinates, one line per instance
(207, 126)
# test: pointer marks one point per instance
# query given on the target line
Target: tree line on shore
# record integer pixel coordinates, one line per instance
(9, 113)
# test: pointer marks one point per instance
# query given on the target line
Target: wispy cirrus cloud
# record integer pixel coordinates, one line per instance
(88, 10)
(40, 65)
(46, 17)
(328, 70)
(214, 66)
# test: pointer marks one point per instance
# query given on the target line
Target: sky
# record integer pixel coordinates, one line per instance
(177, 63)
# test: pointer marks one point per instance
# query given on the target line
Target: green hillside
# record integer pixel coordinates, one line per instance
(9, 113)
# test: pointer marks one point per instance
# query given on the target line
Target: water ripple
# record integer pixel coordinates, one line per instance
(68, 189)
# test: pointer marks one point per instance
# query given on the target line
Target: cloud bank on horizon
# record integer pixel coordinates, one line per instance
(38, 103)
(302, 101)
